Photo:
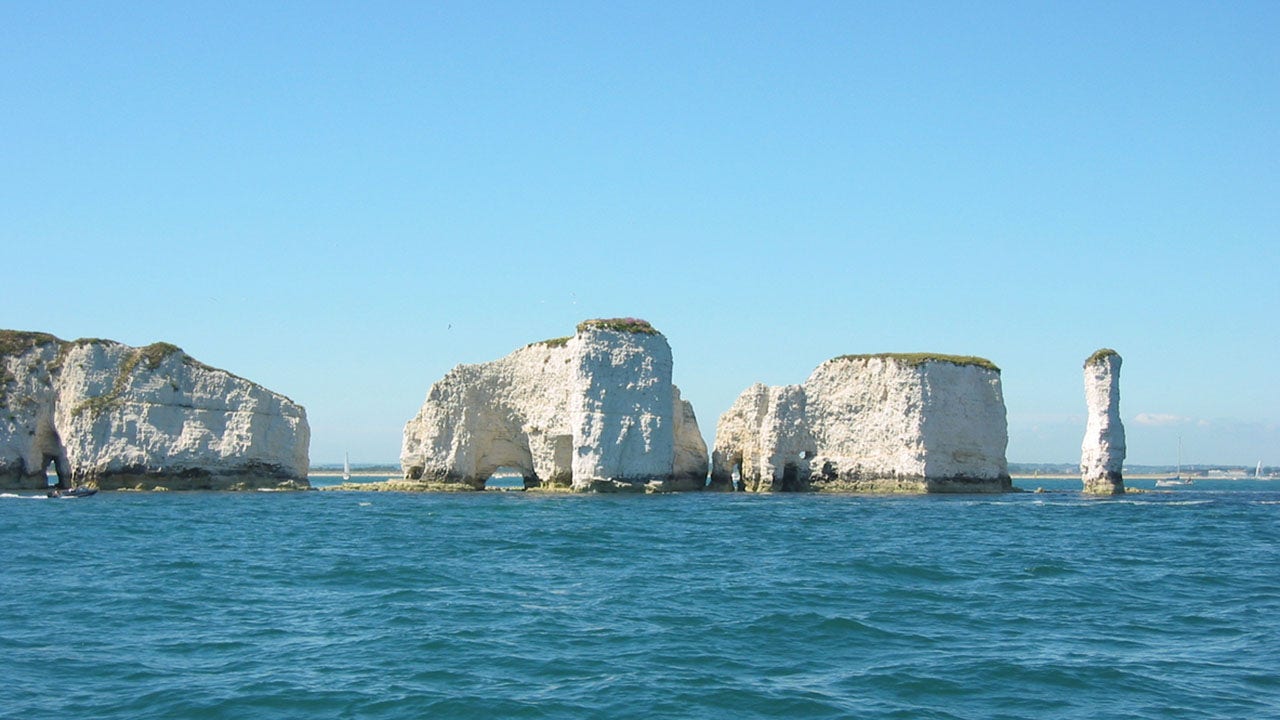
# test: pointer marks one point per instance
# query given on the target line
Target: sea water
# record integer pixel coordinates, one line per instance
(514, 605)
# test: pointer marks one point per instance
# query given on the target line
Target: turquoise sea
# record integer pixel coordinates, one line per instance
(513, 605)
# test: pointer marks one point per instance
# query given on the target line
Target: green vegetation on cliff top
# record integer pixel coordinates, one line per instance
(1100, 355)
(629, 325)
(913, 359)
(16, 342)
(155, 353)
(553, 342)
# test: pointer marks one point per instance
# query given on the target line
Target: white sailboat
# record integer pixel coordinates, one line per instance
(346, 467)
(1177, 479)
(1257, 474)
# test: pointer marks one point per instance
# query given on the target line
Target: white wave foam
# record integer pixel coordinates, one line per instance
(1062, 503)
(1105, 502)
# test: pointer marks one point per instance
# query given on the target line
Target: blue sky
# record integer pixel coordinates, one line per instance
(341, 201)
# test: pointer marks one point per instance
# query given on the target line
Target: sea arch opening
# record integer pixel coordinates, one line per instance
(736, 479)
(503, 457)
(49, 444)
(507, 478)
(60, 469)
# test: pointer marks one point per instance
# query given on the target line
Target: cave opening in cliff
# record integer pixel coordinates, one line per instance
(791, 478)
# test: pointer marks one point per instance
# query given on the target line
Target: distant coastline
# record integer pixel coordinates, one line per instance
(1018, 471)
(1139, 476)
(330, 478)
(1217, 471)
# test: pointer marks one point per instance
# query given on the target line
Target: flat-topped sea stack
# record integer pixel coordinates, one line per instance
(593, 412)
(887, 423)
(111, 416)
(1102, 452)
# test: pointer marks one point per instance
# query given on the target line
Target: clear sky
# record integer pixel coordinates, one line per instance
(341, 201)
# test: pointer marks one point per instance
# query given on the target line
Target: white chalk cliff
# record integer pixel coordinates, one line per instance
(112, 416)
(870, 423)
(592, 412)
(1102, 452)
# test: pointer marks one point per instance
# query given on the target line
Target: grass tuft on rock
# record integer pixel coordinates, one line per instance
(914, 359)
(553, 342)
(155, 353)
(1100, 355)
(627, 325)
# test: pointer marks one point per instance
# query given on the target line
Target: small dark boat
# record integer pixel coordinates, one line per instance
(75, 492)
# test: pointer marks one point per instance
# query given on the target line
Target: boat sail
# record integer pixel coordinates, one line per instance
(1257, 474)
(1177, 479)
(346, 467)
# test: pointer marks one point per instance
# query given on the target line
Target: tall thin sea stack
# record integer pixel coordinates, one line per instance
(1102, 452)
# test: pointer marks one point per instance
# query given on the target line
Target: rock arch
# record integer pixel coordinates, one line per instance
(592, 412)
(48, 445)
(502, 454)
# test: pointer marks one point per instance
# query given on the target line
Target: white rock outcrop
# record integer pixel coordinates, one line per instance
(592, 412)
(870, 423)
(112, 416)
(1102, 452)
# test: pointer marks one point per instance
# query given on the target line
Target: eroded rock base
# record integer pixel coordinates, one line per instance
(1109, 484)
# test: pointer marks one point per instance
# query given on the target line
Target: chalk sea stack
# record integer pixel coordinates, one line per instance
(111, 416)
(596, 411)
(1102, 452)
(887, 423)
